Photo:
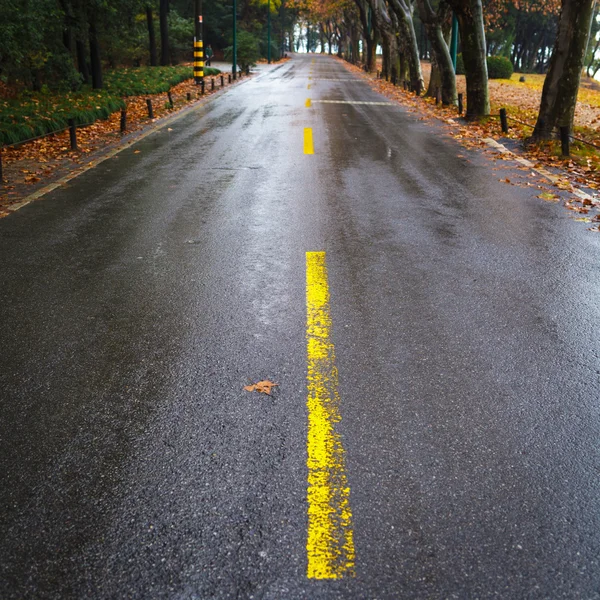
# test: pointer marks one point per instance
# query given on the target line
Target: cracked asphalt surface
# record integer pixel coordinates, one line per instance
(136, 302)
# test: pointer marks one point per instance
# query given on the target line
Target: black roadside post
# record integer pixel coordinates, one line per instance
(170, 97)
(222, 80)
(565, 140)
(189, 96)
(460, 104)
(198, 44)
(73, 134)
(123, 120)
(503, 120)
(150, 111)
(212, 84)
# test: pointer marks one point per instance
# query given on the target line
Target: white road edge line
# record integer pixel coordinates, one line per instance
(541, 171)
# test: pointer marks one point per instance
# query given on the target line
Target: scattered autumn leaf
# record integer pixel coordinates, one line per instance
(578, 209)
(549, 197)
(264, 387)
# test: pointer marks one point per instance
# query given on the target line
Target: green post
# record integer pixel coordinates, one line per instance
(269, 33)
(454, 40)
(234, 67)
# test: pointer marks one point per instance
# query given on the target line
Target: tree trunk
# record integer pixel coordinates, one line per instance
(95, 61)
(440, 52)
(82, 64)
(385, 67)
(164, 33)
(368, 30)
(151, 36)
(559, 95)
(411, 49)
(472, 35)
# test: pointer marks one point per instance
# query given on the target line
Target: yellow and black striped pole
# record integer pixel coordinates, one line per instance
(198, 46)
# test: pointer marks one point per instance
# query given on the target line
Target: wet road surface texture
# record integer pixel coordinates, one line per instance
(136, 302)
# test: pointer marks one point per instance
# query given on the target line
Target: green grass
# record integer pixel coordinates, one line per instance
(35, 115)
(149, 80)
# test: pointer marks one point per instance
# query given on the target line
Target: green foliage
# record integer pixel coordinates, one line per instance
(181, 35)
(248, 50)
(135, 81)
(38, 114)
(499, 67)
(35, 114)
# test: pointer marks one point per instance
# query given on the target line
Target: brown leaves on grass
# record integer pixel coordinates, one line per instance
(264, 387)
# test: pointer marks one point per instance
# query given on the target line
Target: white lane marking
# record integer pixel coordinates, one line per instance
(353, 102)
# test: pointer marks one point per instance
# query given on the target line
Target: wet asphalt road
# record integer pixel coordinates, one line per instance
(136, 303)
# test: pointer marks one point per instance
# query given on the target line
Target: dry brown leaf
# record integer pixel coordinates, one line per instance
(577, 209)
(264, 387)
(549, 197)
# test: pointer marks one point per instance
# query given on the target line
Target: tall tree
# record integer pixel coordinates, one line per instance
(472, 36)
(559, 95)
(95, 61)
(434, 22)
(165, 54)
(151, 35)
(404, 11)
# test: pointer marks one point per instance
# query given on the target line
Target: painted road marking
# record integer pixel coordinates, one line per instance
(540, 170)
(308, 87)
(308, 141)
(354, 102)
(308, 103)
(330, 543)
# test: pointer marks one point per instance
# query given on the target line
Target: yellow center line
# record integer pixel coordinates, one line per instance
(330, 543)
(308, 141)
(308, 87)
(308, 103)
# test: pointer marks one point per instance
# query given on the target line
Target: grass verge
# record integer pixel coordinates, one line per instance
(36, 114)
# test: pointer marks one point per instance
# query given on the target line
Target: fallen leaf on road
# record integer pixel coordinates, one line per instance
(549, 197)
(264, 387)
(578, 209)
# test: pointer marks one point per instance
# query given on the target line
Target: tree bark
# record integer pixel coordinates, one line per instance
(151, 36)
(439, 48)
(368, 36)
(559, 95)
(95, 61)
(403, 10)
(165, 55)
(82, 64)
(472, 35)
